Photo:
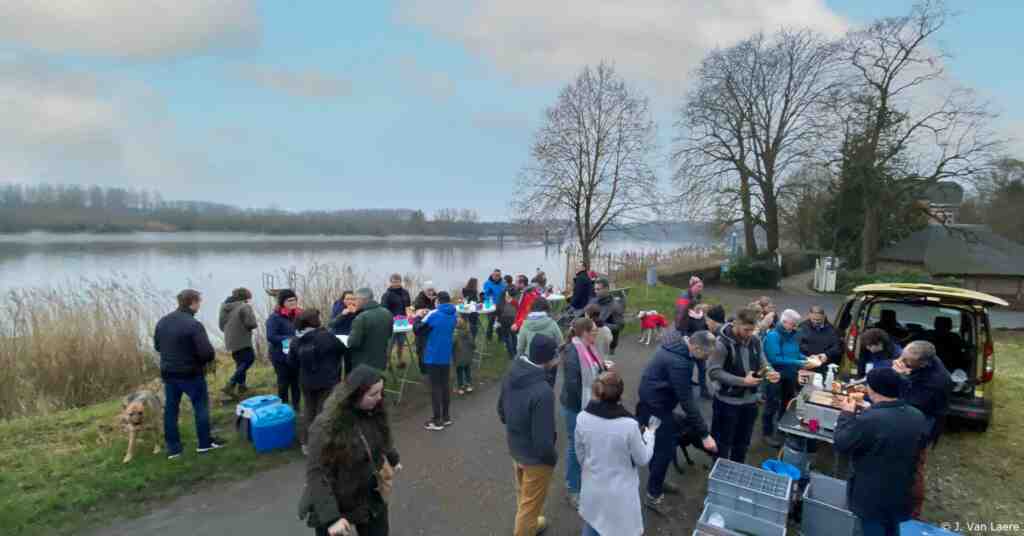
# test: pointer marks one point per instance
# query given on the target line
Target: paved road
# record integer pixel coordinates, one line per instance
(455, 482)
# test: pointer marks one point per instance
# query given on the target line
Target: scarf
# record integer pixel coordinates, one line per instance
(607, 410)
(588, 355)
(290, 314)
(590, 368)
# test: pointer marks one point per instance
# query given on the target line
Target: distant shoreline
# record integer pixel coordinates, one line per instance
(49, 237)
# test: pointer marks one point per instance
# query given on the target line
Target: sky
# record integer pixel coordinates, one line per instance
(391, 103)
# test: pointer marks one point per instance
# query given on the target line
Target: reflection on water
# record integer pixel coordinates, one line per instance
(214, 265)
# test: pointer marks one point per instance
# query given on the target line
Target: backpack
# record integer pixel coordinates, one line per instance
(305, 357)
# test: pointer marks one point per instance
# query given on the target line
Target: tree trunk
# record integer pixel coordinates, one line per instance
(585, 251)
(750, 239)
(870, 238)
(771, 221)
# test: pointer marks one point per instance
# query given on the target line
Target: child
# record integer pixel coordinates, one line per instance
(464, 350)
(506, 312)
(651, 324)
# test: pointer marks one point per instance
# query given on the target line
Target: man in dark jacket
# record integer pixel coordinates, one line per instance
(185, 352)
(927, 386)
(494, 292)
(397, 301)
(317, 354)
(664, 385)
(883, 443)
(582, 289)
(526, 407)
(611, 310)
(371, 333)
(819, 339)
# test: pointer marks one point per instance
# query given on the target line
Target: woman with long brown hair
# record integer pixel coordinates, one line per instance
(471, 293)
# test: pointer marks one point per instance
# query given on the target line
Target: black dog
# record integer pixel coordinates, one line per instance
(686, 437)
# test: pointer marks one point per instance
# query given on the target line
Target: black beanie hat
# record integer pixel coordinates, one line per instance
(885, 381)
(542, 349)
(717, 313)
(284, 295)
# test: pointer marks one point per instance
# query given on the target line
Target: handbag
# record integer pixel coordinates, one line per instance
(385, 475)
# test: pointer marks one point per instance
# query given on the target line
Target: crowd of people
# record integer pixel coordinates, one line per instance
(749, 364)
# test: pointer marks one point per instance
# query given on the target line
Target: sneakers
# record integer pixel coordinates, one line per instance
(670, 488)
(542, 524)
(305, 450)
(174, 456)
(214, 445)
(469, 388)
(460, 391)
(656, 503)
(433, 426)
(447, 422)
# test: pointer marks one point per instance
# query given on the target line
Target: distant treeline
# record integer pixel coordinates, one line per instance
(93, 209)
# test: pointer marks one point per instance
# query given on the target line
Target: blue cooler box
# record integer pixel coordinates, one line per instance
(272, 427)
(916, 528)
(245, 410)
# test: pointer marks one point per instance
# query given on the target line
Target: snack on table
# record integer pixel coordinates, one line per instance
(837, 387)
(857, 397)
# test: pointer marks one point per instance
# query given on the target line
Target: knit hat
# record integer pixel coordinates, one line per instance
(717, 313)
(542, 349)
(284, 295)
(885, 381)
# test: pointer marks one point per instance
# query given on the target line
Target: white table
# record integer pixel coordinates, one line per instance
(483, 311)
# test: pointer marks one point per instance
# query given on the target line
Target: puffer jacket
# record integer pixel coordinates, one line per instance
(438, 350)
(537, 323)
(782, 348)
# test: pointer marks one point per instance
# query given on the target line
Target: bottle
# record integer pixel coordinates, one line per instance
(831, 376)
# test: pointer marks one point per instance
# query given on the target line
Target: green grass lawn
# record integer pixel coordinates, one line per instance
(62, 472)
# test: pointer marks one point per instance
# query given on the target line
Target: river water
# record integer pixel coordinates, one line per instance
(215, 263)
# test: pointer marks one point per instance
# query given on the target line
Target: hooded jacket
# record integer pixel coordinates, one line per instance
(666, 384)
(442, 332)
(423, 302)
(237, 321)
(582, 290)
(526, 407)
(782, 348)
(317, 354)
(465, 347)
(731, 362)
(340, 478)
(183, 345)
(611, 312)
(370, 336)
(494, 290)
(535, 323)
(396, 301)
(890, 351)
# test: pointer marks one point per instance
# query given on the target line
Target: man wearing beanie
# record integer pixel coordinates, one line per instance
(526, 407)
(883, 443)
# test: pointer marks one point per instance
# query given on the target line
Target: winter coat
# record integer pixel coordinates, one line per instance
(494, 290)
(537, 323)
(370, 338)
(183, 345)
(279, 329)
(442, 332)
(928, 389)
(506, 315)
(237, 320)
(610, 450)
(317, 355)
(782, 348)
(730, 363)
(684, 303)
(465, 347)
(666, 383)
(526, 406)
(889, 352)
(582, 290)
(340, 480)
(396, 301)
(883, 443)
(820, 340)
(579, 376)
(342, 323)
(693, 325)
(611, 313)
(525, 304)
(423, 302)
(603, 342)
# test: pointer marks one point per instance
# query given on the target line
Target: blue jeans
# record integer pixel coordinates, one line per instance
(871, 527)
(702, 378)
(572, 464)
(244, 359)
(509, 339)
(664, 448)
(588, 530)
(463, 375)
(195, 389)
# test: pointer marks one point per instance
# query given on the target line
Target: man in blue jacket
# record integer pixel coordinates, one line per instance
(494, 291)
(664, 385)
(185, 352)
(883, 443)
(782, 349)
(437, 358)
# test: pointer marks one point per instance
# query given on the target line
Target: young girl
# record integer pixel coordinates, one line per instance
(464, 350)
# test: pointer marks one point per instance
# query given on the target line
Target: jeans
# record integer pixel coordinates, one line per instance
(732, 426)
(872, 527)
(702, 377)
(664, 448)
(572, 464)
(244, 359)
(315, 399)
(288, 384)
(532, 482)
(376, 526)
(491, 319)
(509, 339)
(440, 392)
(615, 340)
(474, 324)
(463, 375)
(195, 389)
(777, 397)
(588, 530)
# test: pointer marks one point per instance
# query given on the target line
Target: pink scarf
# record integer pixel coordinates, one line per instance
(587, 353)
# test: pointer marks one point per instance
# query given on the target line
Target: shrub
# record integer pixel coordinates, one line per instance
(749, 272)
(847, 280)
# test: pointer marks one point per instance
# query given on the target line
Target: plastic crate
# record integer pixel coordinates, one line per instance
(750, 490)
(916, 528)
(736, 523)
(825, 510)
(245, 409)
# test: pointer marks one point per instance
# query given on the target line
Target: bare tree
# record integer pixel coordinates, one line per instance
(758, 112)
(909, 139)
(590, 159)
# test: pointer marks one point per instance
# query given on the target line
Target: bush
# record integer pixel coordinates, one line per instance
(847, 280)
(749, 272)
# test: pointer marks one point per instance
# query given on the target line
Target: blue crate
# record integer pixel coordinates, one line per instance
(272, 427)
(244, 412)
(916, 528)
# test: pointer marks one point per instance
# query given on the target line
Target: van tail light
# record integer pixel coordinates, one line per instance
(851, 344)
(988, 363)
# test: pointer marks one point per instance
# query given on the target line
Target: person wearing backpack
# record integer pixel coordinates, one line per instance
(317, 355)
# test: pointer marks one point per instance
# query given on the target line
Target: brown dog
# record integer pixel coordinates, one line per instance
(143, 413)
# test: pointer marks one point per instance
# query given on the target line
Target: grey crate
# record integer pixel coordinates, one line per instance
(750, 485)
(736, 523)
(748, 506)
(825, 510)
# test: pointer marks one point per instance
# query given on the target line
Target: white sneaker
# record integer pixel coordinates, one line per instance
(305, 450)
(213, 446)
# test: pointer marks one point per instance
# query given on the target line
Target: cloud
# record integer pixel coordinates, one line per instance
(308, 83)
(538, 41)
(135, 29)
(436, 84)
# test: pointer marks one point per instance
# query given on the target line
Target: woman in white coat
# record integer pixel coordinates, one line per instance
(611, 448)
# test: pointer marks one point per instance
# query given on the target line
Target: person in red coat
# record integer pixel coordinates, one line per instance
(530, 294)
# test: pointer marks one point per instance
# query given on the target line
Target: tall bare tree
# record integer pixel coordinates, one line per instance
(910, 138)
(590, 159)
(758, 112)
